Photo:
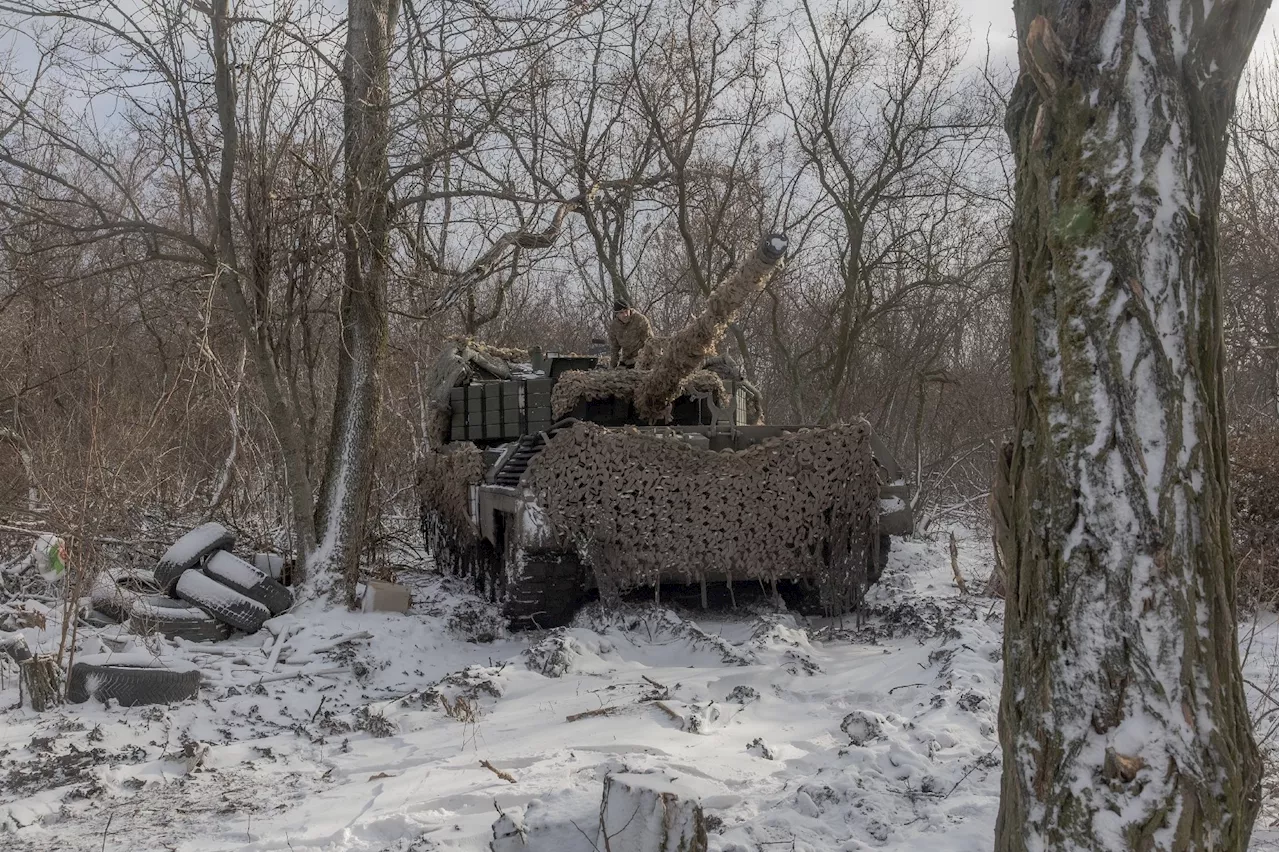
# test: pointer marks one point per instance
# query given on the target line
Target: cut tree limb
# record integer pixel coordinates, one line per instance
(505, 776)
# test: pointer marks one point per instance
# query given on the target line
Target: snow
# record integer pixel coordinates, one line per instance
(234, 570)
(156, 605)
(136, 660)
(1109, 38)
(331, 732)
(271, 564)
(193, 585)
(647, 812)
(188, 548)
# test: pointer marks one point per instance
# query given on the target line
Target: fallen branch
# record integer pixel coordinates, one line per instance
(505, 776)
(271, 678)
(199, 651)
(905, 686)
(599, 711)
(279, 646)
(333, 643)
(673, 714)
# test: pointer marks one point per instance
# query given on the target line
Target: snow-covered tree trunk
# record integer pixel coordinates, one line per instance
(1123, 719)
(344, 497)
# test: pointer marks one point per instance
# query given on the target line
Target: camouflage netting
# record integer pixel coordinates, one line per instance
(638, 506)
(575, 386)
(444, 488)
(512, 356)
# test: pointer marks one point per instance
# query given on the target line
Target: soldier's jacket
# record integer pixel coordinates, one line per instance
(626, 339)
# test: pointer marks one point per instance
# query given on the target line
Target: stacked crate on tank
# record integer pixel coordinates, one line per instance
(475, 412)
(537, 405)
(458, 414)
(492, 410)
(513, 419)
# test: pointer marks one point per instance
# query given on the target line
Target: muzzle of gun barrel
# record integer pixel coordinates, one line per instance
(773, 247)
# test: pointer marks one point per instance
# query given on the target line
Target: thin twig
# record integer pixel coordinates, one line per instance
(505, 776)
(599, 711)
(905, 685)
(110, 817)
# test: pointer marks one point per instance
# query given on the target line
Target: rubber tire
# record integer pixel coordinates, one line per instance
(195, 625)
(113, 595)
(14, 646)
(227, 605)
(176, 561)
(131, 686)
(266, 591)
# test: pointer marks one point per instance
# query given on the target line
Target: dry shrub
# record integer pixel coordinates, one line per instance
(1255, 464)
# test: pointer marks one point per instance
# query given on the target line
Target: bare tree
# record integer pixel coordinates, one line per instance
(1123, 718)
(344, 501)
(1250, 246)
(889, 143)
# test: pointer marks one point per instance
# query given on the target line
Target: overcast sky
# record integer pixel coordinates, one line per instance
(998, 16)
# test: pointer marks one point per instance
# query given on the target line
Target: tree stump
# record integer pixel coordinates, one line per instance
(649, 812)
(509, 834)
(40, 680)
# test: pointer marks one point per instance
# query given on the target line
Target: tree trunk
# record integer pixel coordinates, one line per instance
(343, 507)
(284, 418)
(41, 682)
(1123, 719)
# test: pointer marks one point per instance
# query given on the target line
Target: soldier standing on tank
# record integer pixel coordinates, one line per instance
(628, 333)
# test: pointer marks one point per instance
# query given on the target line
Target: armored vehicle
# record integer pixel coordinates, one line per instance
(552, 475)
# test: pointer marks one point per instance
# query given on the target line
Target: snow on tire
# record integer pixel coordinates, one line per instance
(186, 553)
(115, 591)
(131, 679)
(223, 603)
(162, 614)
(14, 646)
(235, 573)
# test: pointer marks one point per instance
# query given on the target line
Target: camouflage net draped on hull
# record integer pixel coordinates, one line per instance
(802, 505)
(444, 488)
(577, 385)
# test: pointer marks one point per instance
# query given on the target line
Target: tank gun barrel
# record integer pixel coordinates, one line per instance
(686, 350)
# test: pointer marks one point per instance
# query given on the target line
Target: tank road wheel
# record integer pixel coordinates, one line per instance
(541, 589)
(879, 558)
(459, 553)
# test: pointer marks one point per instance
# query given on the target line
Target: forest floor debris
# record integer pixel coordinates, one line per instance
(374, 732)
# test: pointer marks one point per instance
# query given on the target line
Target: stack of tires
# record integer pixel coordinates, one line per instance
(206, 591)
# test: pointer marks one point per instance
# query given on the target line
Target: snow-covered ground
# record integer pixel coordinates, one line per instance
(797, 734)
